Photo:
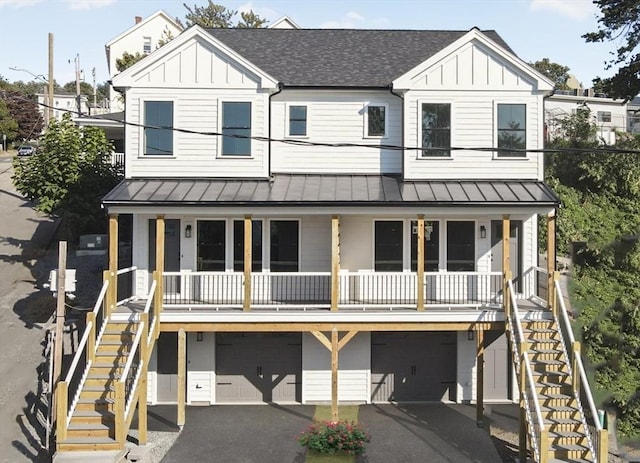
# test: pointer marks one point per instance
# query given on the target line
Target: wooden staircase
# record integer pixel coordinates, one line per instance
(561, 411)
(92, 424)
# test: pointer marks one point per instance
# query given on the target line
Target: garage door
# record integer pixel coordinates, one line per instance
(413, 367)
(258, 367)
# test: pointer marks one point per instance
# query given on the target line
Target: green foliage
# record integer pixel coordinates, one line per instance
(600, 194)
(127, 60)
(218, 16)
(8, 125)
(23, 109)
(335, 437)
(70, 174)
(620, 23)
(558, 73)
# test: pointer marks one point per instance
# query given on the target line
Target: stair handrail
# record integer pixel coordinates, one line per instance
(99, 305)
(125, 400)
(147, 309)
(576, 360)
(122, 271)
(536, 441)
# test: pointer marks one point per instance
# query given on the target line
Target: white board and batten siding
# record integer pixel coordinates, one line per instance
(197, 78)
(335, 116)
(354, 361)
(474, 80)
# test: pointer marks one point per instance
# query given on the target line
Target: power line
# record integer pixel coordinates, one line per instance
(298, 142)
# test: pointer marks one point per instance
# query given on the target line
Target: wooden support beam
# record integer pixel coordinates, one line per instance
(159, 267)
(62, 404)
(479, 377)
(248, 248)
(603, 444)
(142, 396)
(346, 338)
(522, 385)
(120, 433)
(544, 446)
(420, 285)
(91, 341)
(575, 353)
(334, 375)
(335, 262)
(322, 338)
(182, 376)
(113, 258)
(551, 259)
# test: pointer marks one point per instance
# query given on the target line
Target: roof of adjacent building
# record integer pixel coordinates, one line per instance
(329, 190)
(336, 57)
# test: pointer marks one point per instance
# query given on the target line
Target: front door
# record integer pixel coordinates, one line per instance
(171, 252)
(167, 361)
(496, 367)
(515, 249)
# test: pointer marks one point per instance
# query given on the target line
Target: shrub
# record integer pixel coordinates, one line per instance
(331, 437)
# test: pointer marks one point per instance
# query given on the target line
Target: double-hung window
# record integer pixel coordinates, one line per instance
(158, 131)
(211, 245)
(298, 121)
(284, 248)
(436, 129)
(236, 128)
(461, 246)
(376, 121)
(512, 130)
(604, 116)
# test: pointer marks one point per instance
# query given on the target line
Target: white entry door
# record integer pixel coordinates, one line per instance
(200, 368)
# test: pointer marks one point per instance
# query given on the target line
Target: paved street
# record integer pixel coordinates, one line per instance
(24, 308)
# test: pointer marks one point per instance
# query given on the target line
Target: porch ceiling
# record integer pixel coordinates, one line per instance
(329, 190)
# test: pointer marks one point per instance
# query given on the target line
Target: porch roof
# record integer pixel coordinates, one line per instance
(328, 190)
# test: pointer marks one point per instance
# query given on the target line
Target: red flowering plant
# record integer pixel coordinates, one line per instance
(331, 437)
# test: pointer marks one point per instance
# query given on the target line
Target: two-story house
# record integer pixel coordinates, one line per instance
(331, 216)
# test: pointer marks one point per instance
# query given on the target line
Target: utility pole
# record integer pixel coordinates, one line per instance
(60, 310)
(50, 80)
(95, 97)
(78, 99)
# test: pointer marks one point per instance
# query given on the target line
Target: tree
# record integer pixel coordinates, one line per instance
(554, 71)
(85, 88)
(127, 60)
(70, 174)
(620, 22)
(218, 16)
(23, 109)
(8, 125)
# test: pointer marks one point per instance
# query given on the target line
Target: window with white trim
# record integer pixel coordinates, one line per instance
(604, 116)
(256, 245)
(158, 131)
(431, 245)
(461, 246)
(436, 129)
(284, 246)
(146, 45)
(376, 121)
(512, 130)
(297, 121)
(211, 236)
(236, 128)
(388, 245)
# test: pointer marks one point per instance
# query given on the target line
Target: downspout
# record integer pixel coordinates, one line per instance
(280, 87)
(401, 126)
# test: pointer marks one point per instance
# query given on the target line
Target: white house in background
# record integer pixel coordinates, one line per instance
(608, 114)
(633, 115)
(142, 38)
(284, 23)
(63, 102)
(333, 215)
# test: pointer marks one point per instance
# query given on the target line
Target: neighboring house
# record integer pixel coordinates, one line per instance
(284, 23)
(608, 114)
(331, 215)
(633, 115)
(142, 38)
(63, 102)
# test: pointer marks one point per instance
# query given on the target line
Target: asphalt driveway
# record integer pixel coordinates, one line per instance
(266, 434)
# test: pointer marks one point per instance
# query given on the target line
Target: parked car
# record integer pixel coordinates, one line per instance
(26, 150)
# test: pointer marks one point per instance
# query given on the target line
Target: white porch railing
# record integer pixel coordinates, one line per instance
(312, 290)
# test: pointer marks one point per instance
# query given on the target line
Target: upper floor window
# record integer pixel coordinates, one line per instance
(604, 116)
(297, 121)
(146, 45)
(512, 131)
(236, 128)
(376, 121)
(436, 129)
(158, 131)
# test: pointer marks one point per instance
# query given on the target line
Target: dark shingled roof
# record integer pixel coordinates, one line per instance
(329, 190)
(339, 57)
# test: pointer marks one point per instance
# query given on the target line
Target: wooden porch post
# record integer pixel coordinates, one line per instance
(159, 269)
(335, 262)
(551, 259)
(334, 374)
(113, 262)
(334, 347)
(506, 258)
(420, 284)
(142, 396)
(182, 375)
(248, 249)
(480, 377)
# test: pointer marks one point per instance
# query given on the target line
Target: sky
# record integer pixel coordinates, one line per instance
(534, 29)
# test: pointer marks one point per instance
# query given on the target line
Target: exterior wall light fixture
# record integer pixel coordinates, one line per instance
(187, 231)
(483, 231)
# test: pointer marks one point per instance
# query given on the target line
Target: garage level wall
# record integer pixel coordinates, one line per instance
(354, 364)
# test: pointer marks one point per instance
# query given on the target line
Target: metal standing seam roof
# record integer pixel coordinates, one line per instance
(339, 57)
(328, 190)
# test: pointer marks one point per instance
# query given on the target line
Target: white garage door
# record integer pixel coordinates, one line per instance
(258, 367)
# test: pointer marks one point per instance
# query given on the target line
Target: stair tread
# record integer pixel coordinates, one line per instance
(550, 372)
(561, 433)
(547, 395)
(101, 400)
(92, 413)
(90, 440)
(558, 408)
(570, 460)
(571, 447)
(98, 388)
(88, 426)
(562, 421)
(549, 362)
